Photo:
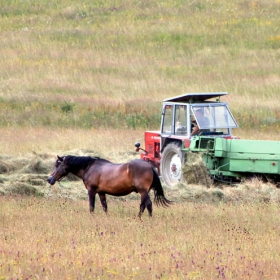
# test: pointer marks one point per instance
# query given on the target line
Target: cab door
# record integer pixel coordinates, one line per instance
(167, 124)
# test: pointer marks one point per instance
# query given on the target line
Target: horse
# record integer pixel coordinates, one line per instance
(102, 177)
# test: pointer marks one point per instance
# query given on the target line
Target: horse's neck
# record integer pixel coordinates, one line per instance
(80, 173)
(80, 170)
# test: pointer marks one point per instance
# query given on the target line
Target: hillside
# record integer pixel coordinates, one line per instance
(89, 64)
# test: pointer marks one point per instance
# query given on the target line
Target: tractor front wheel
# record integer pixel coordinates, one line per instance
(172, 161)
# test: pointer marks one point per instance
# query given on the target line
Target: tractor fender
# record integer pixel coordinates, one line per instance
(167, 140)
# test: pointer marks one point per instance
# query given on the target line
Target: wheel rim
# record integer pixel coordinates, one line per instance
(175, 168)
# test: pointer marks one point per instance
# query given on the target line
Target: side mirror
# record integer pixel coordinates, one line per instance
(137, 145)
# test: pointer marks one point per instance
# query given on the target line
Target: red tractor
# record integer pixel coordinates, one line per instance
(181, 127)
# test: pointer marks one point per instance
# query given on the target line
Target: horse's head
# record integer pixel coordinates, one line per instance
(59, 171)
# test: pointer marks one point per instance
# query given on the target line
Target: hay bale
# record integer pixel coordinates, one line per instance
(195, 171)
(10, 164)
(36, 182)
(38, 166)
(217, 195)
(6, 167)
(34, 179)
(194, 193)
(20, 188)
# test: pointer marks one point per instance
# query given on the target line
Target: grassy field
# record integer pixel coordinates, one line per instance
(87, 78)
(59, 239)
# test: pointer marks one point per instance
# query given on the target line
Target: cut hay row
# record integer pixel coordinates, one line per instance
(27, 176)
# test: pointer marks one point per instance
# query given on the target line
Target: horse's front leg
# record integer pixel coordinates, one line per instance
(91, 199)
(103, 201)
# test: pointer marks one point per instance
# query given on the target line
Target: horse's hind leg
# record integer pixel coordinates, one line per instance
(103, 201)
(145, 202)
(91, 198)
(149, 205)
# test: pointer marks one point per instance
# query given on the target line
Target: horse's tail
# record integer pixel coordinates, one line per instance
(160, 199)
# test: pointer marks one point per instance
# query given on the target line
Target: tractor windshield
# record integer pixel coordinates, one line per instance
(213, 117)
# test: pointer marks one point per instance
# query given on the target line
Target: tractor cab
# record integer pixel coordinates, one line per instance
(192, 114)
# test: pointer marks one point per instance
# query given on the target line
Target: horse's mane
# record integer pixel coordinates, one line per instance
(81, 161)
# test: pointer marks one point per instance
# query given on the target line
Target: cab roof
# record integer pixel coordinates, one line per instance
(190, 97)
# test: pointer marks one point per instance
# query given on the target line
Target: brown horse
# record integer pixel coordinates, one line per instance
(104, 177)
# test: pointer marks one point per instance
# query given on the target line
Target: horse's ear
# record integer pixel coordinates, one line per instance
(59, 158)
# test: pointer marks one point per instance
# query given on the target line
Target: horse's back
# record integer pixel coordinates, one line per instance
(111, 170)
(134, 173)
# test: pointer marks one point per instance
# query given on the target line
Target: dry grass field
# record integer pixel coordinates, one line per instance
(59, 239)
(88, 78)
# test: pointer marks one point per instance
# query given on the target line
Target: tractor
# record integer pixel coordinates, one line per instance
(201, 124)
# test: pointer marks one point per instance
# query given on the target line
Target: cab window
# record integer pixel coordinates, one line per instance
(180, 120)
(167, 127)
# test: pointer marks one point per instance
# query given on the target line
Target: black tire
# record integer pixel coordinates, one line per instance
(172, 161)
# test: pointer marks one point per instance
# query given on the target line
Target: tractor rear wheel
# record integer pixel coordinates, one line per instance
(172, 161)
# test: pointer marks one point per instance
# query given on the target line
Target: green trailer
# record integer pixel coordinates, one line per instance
(195, 124)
